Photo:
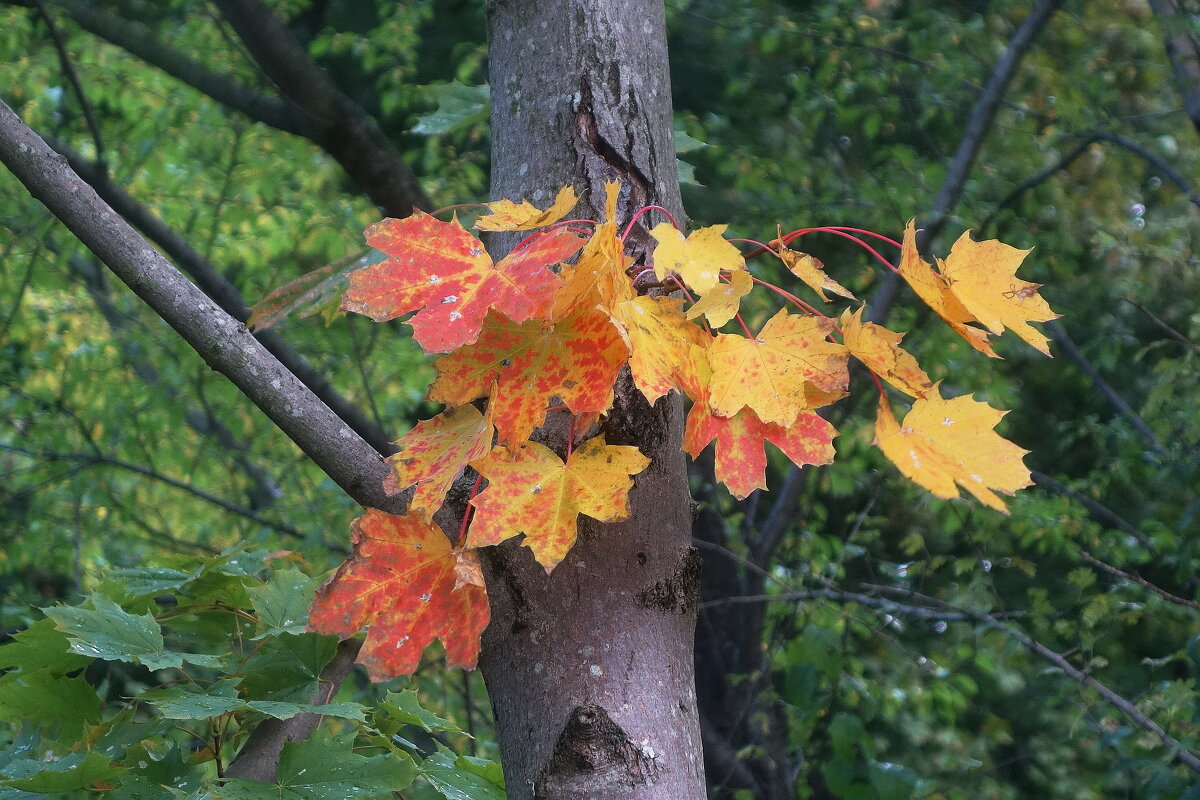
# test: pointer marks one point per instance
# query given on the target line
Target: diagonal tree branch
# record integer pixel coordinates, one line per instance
(224, 293)
(1183, 51)
(222, 341)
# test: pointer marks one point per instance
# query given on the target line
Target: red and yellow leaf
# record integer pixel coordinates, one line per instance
(772, 373)
(947, 442)
(576, 360)
(443, 272)
(721, 304)
(659, 339)
(531, 491)
(983, 276)
(879, 350)
(812, 272)
(433, 454)
(598, 279)
(932, 287)
(400, 583)
(524, 216)
(698, 259)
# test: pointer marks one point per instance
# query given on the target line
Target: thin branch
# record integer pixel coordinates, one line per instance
(870, 601)
(1153, 159)
(1067, 346)
(979, 124)
(220, 340)
(1174, 334)
(91, 459)
(64, 59)
(225, 294)
(1037, 179)
(1139, 580)
(1183, 51)
(147, 44)
(1097, 511)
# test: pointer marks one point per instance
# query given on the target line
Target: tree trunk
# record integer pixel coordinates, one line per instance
(590, 669)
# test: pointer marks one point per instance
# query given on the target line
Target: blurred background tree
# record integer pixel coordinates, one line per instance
(857, 637)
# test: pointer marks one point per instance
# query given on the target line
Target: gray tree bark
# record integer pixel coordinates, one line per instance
(590, 669)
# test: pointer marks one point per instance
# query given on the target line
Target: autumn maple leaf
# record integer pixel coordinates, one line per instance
(659, 338)
(774, 372)
(597, 279)
(879, 350)
(524, 216)
(721, 304)
(445, 272)
(947, 442)
(435, 452)
(741, 461)
(983, 276)
(531, 491)
(575, 359)
(811, 271)
(697, 259)
(400, 583)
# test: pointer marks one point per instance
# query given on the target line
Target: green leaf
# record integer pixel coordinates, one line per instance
(462, 778)
(41, 646)
(404, 707)
(282, 603)
(123, 585)
(53, 774)
(286, 667)
(109, 632)
(457, 105)
(189, 701)
(325, 767)
(49, 699)
(288, 710)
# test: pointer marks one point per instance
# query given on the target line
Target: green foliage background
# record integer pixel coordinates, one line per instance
(798, 113)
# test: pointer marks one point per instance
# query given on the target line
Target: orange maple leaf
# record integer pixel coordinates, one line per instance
(948, 442)
(531, 491)
(698, 259)
(775, 372)
(879, 350)
(400, 583)
(659, 339)
(597, 279)
(576, 360)
(741, 461)
(433, 454)
(445, 272)
(983, 276)
(524, 216)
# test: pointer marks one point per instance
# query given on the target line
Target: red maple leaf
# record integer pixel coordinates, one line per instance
(445, 272)
(401, 584)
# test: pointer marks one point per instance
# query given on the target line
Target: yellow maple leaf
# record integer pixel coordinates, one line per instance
(698, 259)
(612, 192)
(812, 272)
(434, 453)
(659, 339)
(982, 275)
(531, 491)
(524, 216)
(775, 372)
(944, 443)
(879, 350)
(721, 304)
(932, 287)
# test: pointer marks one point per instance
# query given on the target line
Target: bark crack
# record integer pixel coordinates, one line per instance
(593, 755)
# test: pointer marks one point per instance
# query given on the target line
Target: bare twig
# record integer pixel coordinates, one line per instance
(979, 124)
(1139, 580)
(1097, 511)
(73, 78)
(1067, 346)
(1174, 334)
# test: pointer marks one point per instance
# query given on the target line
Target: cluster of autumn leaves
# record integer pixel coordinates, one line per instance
(547, 330)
